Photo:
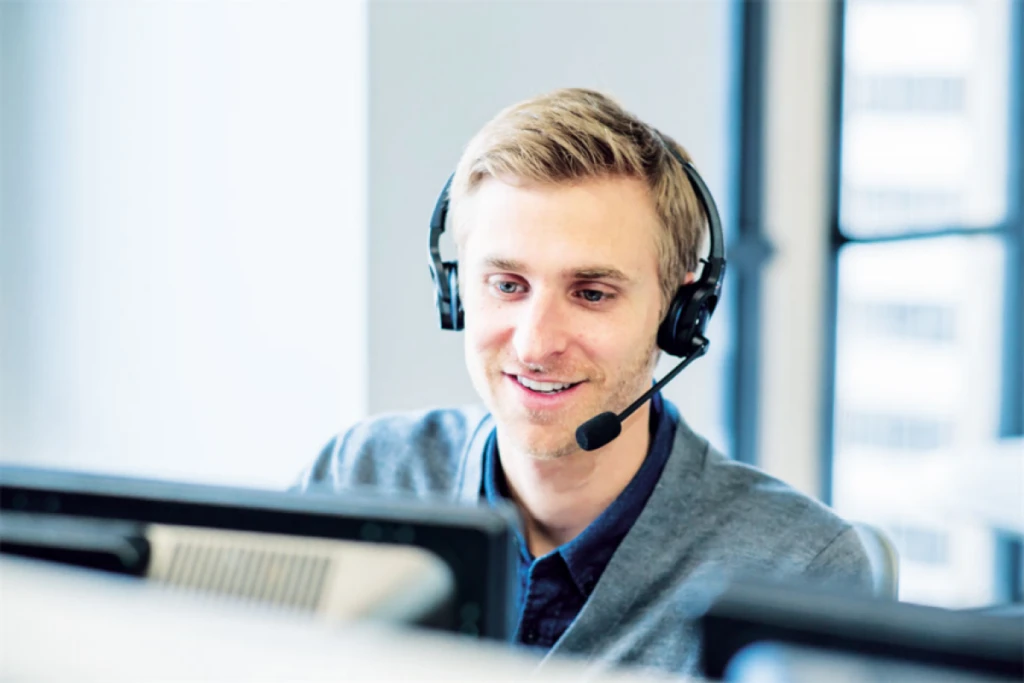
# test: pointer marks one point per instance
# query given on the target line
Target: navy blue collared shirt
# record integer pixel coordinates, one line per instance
(553, 588)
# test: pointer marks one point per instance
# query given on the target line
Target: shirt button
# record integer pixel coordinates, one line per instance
(531, 637)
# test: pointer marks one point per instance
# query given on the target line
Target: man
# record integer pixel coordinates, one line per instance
(575, 226)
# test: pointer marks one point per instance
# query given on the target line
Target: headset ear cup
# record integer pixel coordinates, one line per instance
(685, 320)
(668, 331)
(457, 316)
(438, 303)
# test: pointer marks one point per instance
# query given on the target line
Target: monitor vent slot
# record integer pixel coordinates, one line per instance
(288, 580)
(330, 580)
(250, 571)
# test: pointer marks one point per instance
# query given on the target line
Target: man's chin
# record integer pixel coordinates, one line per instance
(546, 436)
(544, 442)
(550, 451)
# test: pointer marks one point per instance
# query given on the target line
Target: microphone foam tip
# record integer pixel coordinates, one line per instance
(598, 431)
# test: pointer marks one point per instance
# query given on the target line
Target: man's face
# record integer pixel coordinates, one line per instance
(562, 300)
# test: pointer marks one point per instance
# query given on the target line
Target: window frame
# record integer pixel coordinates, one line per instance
(748, 247)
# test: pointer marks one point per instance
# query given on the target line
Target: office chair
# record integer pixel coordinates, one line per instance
(885, 561)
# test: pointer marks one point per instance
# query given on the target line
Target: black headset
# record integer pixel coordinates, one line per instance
(681, 333)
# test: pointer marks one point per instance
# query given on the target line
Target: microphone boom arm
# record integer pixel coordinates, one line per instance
(600, 430)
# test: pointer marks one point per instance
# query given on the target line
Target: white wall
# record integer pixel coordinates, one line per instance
(183, 259)
(440, 70)
(190, 192)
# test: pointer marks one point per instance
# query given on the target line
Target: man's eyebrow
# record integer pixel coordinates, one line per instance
(583, 273)
(599, 273)
(504, 264)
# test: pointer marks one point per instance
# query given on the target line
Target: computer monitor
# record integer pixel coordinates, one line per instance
(776, 662)
(753, 612)
(345, 555)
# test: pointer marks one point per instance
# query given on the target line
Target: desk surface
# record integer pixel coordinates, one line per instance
(60, 623)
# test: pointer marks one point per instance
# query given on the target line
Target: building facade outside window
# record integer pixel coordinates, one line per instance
(927, 268)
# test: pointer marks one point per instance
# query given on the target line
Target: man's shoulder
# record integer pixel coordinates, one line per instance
(716, 520)
(743, 517)
(747, 489)
(779, 527)
(417, 452)
(431, 429)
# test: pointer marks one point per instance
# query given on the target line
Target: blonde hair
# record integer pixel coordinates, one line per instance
(575, 134)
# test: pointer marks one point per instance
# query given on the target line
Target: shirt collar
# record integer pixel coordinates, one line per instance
(588, 554)
(495, 487)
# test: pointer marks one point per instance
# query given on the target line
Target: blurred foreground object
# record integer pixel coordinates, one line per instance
(65, 623)
(869, 635)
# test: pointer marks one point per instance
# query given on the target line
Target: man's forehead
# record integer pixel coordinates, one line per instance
(607, 227)
(577, 196)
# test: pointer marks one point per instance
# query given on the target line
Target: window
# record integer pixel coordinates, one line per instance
(907, 93)
(900, 433)
(877, 208)
(901, 320)
(927, 266)
(921, 545)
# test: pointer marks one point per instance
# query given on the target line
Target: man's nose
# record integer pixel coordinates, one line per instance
(541, 330)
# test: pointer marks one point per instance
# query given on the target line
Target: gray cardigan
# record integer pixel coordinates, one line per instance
(708, 518)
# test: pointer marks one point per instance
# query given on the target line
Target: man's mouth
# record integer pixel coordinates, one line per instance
(544, 387)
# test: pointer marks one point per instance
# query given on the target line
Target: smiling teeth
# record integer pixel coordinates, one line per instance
(548, 387)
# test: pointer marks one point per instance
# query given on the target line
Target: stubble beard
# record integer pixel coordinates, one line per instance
(559, 439)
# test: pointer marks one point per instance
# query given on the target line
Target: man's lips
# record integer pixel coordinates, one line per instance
(542, 383)
(545, 394)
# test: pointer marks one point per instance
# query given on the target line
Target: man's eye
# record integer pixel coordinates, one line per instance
(593, 296)
(507, 287)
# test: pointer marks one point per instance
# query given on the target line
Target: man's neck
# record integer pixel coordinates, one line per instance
(560, 498)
